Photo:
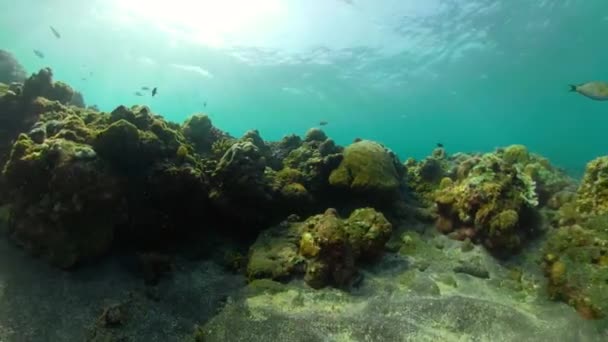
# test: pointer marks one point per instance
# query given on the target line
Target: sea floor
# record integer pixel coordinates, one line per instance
(433, 290)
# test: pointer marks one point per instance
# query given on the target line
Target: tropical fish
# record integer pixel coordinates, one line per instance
(154, 91)
(39, 53)
(323, 123)
(596, 90)
(57, 35)
(440, 145)
(145, 88)
(137, 93)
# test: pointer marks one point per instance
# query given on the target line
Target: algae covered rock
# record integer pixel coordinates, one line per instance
(367, 168)
(275, 254)
(198, 129)
(592, 197)
(22, 105)
(41, 84)
(313, 159)
(426, 176)
(576, 266)
(576, 253)
(495, 204)
(241, 185)
(136, 139)
(65, 204)
(325, 248)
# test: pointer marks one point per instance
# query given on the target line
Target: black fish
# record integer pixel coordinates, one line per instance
(440, 145)
(145, 88)
(57, 35)
(39, 53)
(153, 91)
(323, 123)
(138, 94)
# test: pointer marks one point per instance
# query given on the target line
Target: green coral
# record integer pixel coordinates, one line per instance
(367, 167)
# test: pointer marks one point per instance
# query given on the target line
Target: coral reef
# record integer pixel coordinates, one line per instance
(79, 182)
(325, 248)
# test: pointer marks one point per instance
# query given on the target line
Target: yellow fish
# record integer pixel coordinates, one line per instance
(594, 90)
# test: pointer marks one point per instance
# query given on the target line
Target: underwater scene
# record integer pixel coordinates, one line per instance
(320, 170)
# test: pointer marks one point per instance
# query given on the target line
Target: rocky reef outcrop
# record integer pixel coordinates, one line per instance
(576, 253)
(501, 199)
(78, 183)
(324, 248)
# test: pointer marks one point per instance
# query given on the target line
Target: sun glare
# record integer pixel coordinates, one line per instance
(211, 22)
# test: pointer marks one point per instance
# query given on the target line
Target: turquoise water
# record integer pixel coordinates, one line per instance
(472, 75)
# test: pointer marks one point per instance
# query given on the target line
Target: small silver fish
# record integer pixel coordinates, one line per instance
(55, 32)
(137, 93)
(145, 88)
(595, 90)
(39, 53)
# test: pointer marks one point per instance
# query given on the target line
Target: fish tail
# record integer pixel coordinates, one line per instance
(573, 87)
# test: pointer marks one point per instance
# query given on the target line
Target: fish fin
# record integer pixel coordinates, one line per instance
(573, 87)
